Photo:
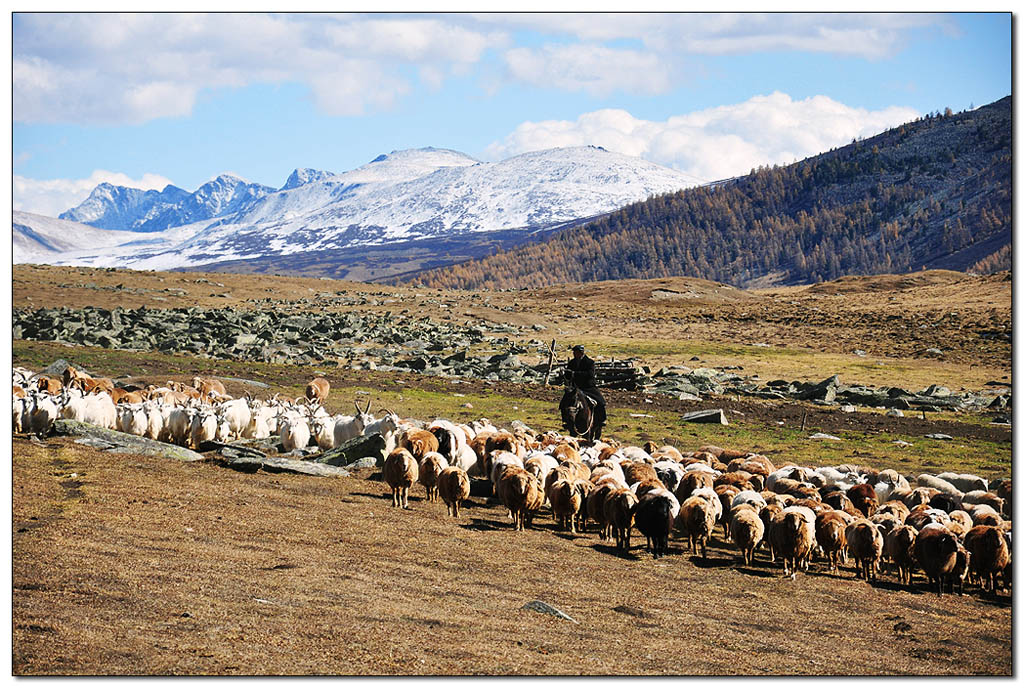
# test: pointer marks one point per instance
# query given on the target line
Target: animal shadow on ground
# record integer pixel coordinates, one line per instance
(890, 586)
(760, 573)
(616, 552)
(993, 600)
(711, 562)
(485, 524)
(371, 495)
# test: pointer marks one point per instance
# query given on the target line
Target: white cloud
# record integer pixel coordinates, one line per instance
(716, 143)
(107, 68)
(52, 197)
(868, 35)
(589, 67)
(130, 68)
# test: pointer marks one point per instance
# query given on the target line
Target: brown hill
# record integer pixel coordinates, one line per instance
(931, 193)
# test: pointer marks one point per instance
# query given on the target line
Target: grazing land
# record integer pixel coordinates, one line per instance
(125, 564)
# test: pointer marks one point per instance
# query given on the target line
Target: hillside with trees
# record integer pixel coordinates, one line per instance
(933, 193)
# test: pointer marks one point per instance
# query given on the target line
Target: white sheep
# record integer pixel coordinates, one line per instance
(132, 419)
(926, 480)
(322, 430)
(237, 414)
(179, 424)
(294, 432)
(42, 412)
(203, 427)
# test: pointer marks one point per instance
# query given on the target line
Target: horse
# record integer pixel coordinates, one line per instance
(578, 414)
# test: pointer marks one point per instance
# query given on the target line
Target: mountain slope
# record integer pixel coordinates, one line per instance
(932, 193)
(40, 239)
(123, 208)
(405, 196)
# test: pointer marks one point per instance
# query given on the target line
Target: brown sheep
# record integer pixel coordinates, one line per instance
(768, 515)
(963, 518)
(1005, 492)
(565, 452)
(565, 504)
(693, 480)
(400, 472)
(453, 488)
(50, 385)
(619, 510)
(667, 452)
(864, 543)
(747, 531)
(479, 446)
(896, 508)
(936, 551)
(318, 389)
(645, 486)
(637, 472)
(584, 487)
(516, 490)
(961, 569)
(595, 508)
(419, 442)
(899, 547)
(983, 497)
(792, 538)
(837, 500)
(430, 469)
(208, 386)
(502, 441)
(919, 495)
(725, 494)
(864, 499)
(738, 479)
(830, 534)
(568, 471)
(72, 377)
(989, 554)
(697, 517)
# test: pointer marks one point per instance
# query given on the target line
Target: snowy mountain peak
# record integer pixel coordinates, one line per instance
(406, 195)
(305, 175)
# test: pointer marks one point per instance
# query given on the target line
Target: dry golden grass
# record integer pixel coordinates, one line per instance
(131, 565)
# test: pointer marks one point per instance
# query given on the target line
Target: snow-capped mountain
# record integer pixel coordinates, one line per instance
(123, 208)
(410, 195)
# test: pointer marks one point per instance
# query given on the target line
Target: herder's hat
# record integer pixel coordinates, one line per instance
(578, 347)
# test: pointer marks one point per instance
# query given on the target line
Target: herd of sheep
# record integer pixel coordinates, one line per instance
(950, 525)
(953, 527)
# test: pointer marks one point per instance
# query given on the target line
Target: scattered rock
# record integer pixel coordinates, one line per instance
(545, 608)
(824, 436)
(939, 436)
(124, 443)
(894, 412)
(715, 416)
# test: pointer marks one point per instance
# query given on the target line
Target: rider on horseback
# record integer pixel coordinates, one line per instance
(579, 373)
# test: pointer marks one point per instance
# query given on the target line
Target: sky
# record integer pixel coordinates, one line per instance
(146, 100)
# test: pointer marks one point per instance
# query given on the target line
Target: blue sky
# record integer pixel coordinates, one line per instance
(146, 100)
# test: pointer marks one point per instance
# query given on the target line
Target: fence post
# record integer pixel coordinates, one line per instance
(551, 356)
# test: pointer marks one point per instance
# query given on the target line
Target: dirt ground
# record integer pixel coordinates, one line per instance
(124, 564)
(139, 566)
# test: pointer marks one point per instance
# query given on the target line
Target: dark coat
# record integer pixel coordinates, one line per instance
(580, 372)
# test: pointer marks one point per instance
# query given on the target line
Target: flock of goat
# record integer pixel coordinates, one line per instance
(951, 526)
(186, 415)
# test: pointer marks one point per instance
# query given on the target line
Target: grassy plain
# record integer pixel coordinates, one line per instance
(125, 564)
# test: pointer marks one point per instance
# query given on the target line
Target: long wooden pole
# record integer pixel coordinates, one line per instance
(551, 356)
